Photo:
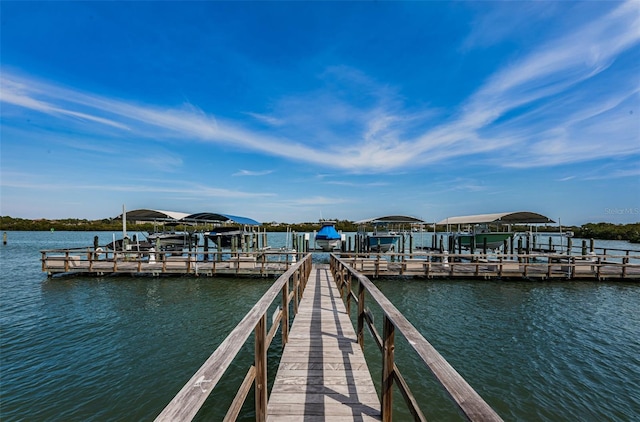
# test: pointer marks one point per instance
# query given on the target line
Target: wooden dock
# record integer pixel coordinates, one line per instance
(98, 262)
(427, 264)
(323, 374)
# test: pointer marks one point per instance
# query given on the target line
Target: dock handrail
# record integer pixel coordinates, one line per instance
(465, 397)
(188, 401)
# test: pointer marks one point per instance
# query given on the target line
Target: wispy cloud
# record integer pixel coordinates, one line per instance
(252, 173)
(526, 114)
(315, 201)
(38, 183)
(358, 185)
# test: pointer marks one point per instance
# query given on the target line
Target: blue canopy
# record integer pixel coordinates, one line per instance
(328, 232)
(223, 218)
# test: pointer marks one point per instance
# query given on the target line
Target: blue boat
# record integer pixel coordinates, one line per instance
(328, 237)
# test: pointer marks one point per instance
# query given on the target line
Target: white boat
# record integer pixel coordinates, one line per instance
(328, 237)
(172, 241)
(387, 231)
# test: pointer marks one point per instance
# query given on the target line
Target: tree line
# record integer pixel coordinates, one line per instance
(607, 231)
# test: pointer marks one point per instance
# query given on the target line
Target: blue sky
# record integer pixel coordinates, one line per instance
(295, 111)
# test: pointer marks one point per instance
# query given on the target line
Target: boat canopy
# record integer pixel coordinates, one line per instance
(392, 219)
(328, 231)
(519, 217)
(207, 217)
(178, 217)
(153, 215)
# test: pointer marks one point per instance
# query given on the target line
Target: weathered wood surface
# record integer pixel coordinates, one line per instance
(322, 373)
(467, 399)
(185, 405)
(431, 265)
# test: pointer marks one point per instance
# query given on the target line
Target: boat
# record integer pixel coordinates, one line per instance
(127, 244)
(381, 241)
(172, 241)
(387, 231)
(481, 235)
(328, 237)
(478, 233)
(225, 237)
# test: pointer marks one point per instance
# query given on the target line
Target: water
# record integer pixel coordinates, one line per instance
(119, 348)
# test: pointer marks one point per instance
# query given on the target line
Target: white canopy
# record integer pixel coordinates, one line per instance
(394, 219)
(519, 217)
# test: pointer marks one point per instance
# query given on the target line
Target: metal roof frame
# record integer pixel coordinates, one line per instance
(393, 219)
(144, 214)
(517, 217)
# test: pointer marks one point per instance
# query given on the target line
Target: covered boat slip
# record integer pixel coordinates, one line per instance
(489, 231)
(386, 231)
(223, 230)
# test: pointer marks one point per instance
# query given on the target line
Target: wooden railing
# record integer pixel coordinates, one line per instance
(102, 260)
(548, 265)
(466, 398)
(186, 404)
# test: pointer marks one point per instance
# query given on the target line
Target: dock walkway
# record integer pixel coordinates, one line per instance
(323, 374)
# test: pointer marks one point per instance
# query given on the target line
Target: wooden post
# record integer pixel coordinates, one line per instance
(348, 280)
(584, 247)
(296, 294)
(360, 333)
(284, 322)
(206, 248)
(386, 393)
(591, 245)
(484, 245)
(261, 369)
(534, 242)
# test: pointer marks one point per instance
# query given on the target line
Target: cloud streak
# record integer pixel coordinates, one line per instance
(515, 115)
(252, 173)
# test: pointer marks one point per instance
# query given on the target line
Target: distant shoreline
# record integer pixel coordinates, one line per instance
(600, 231)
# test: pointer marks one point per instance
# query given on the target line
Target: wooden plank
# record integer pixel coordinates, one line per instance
(322, 374)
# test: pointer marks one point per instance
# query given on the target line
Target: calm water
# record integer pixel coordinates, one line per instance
(119, 348)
